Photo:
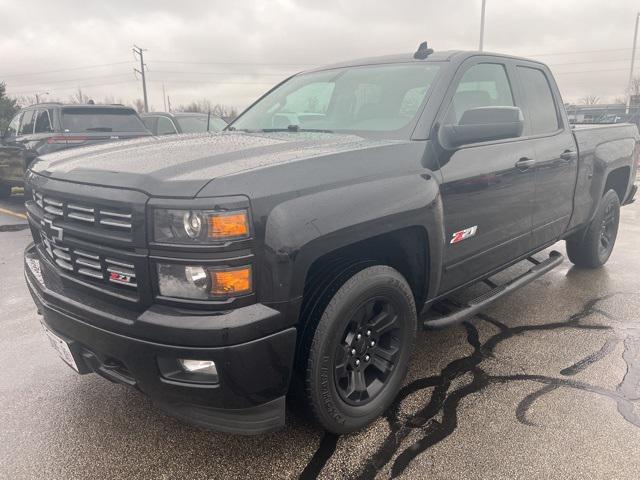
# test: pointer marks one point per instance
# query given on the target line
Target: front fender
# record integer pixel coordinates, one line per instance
(301, 230)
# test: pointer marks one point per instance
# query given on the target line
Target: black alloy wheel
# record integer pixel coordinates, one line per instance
(368, 353)
(358, 344)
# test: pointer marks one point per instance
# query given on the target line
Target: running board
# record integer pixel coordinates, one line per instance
(497, 291)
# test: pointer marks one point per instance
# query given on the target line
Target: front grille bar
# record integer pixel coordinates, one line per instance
(84, 213)
(90, 264)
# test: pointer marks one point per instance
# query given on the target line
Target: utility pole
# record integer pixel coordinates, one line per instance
(164, 98)
(37, 94)
(169, 102)
(633, 59)
(139, 51)
(484, 4)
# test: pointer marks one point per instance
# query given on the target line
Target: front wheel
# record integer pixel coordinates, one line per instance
(360, 349)
(593, 248)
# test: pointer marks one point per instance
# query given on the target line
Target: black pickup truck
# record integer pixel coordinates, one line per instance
(293, 255)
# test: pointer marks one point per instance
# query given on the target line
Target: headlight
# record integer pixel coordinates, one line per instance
(203, 283)
(199, 226)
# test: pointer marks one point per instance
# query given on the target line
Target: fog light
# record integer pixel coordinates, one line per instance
(202, 367)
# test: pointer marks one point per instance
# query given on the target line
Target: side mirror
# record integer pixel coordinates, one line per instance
(483, 124)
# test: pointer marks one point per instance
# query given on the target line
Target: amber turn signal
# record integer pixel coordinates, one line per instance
(225, 226)
(231, 282)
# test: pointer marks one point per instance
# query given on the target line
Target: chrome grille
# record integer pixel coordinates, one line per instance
(90, 214)
(90, 264)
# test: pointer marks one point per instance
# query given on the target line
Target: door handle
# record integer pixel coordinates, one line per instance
(568, 155)
(525, 163)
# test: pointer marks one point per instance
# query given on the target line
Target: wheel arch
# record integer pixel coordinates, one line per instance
(403, 212)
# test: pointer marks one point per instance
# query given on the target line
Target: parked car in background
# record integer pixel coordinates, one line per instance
(49, 127)
(164, 123)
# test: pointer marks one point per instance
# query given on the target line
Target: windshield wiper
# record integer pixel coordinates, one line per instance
(99, 129)
(296, 128)
(234, 129)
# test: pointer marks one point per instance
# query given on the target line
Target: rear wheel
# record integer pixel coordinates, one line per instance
(5, 190)
(593, 248)
(360, 348)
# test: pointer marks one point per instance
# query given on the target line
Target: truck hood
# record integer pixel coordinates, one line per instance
(181, 165)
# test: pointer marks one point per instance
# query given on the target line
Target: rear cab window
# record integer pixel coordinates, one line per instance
(540, 107)
(87, 119)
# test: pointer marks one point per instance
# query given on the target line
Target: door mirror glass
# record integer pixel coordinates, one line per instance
(483, 124)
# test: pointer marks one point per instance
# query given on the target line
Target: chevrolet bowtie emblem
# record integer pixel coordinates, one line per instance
(55, 232)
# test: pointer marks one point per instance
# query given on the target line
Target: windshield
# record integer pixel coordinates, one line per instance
(197, 124)
(85, 119)
(379, 98)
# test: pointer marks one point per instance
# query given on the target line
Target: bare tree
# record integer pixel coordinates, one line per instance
(138, 104)
(590, 100)
(111, 100)
(78, 97)
(634, 88)
(205, 106)
(620, 100)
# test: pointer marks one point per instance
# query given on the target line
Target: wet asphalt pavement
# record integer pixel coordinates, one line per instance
(544, 384)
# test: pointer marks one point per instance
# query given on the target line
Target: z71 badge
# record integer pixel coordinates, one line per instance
(119, 277)
(463, 234)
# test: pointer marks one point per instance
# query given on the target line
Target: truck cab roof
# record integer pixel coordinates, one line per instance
(457, 56)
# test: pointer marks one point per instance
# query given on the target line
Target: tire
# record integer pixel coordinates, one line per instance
(359, 350)
(5, 190)
(593, 248)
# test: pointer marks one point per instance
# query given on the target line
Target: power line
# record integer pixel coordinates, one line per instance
(239, 63)
(587, 62)
(68, 80)
(593, 71)
(63, 70)
(201, 82)
(27, 92)
(184, 72)
(576, 53)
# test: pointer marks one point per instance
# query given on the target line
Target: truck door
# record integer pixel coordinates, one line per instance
(487, 188)
(556, 166)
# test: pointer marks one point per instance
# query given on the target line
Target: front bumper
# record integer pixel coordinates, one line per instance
(249, 397)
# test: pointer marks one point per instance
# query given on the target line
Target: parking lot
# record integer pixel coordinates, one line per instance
(545, 384)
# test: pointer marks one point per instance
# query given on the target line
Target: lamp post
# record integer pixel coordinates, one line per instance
(633, 59)
(484, 4)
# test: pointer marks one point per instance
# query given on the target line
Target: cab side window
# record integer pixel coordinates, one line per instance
(541, 107)
(27, 123)
(151, 124)
(482, 85)
(43, 122)
(165, 126)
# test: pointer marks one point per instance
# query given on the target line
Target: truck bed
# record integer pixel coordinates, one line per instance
(602, 148)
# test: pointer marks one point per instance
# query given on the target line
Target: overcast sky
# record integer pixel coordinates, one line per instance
(232, 51)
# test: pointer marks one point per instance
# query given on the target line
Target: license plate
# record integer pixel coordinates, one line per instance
(62, 347)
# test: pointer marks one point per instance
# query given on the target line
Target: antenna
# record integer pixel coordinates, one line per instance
(423, 51)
